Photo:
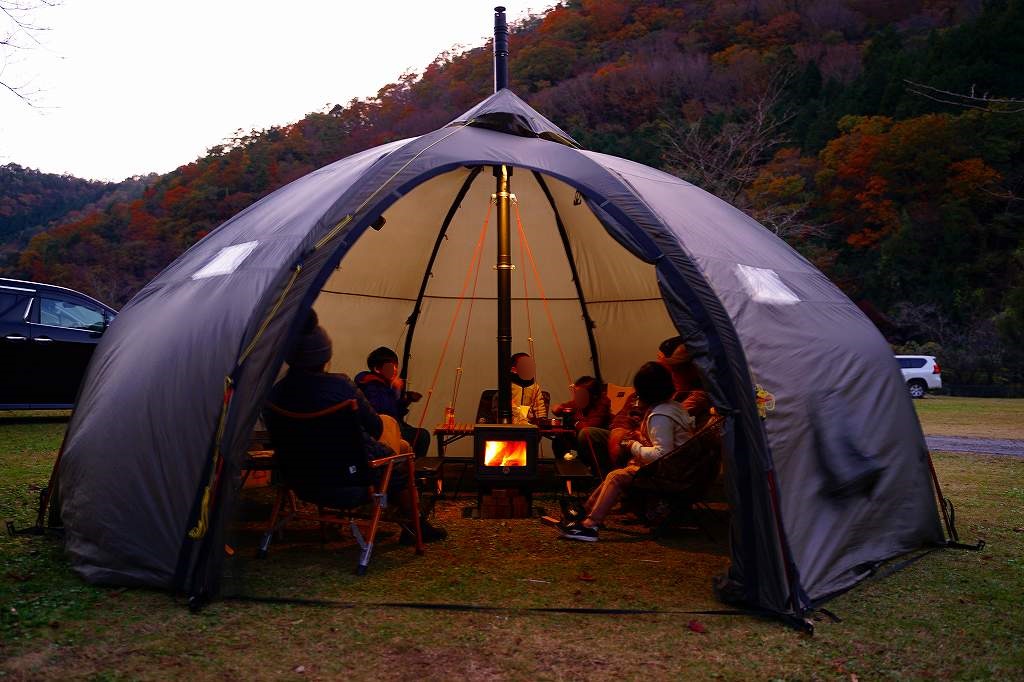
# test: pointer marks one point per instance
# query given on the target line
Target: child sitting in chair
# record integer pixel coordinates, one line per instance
(665, 427)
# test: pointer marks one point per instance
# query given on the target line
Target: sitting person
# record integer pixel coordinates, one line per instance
(383, 388)
(603, 445)
(308, 388)
(528, 403)
(589, 408)
(665, 427)
(674, 355)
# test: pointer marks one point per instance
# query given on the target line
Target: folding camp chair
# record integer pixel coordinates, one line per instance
(486, 410)
(322, 461)
(682, 478)
(617, 396)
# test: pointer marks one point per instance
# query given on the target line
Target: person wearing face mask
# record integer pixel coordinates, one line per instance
(383, 387)
(528, 404)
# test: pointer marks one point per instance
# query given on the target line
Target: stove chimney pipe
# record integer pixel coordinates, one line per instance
(500, 49)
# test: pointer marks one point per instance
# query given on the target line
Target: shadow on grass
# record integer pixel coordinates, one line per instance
(483, 563)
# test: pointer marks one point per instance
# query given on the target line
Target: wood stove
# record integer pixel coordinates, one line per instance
(505, 456)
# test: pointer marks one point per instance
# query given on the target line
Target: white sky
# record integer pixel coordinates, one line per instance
(134, 86)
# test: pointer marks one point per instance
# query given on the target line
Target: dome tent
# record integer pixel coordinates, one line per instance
(628, 256)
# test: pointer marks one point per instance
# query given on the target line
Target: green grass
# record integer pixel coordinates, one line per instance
(951, 615)
(974, 417)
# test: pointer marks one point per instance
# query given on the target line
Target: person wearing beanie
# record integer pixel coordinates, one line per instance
(308, 387)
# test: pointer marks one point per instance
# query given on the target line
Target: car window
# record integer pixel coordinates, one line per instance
(12, 306)
(904, 363)
(912, 363)
(72, 315)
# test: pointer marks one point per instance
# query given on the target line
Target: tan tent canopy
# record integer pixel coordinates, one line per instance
(368, 300)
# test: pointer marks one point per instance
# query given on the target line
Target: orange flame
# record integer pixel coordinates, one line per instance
(505, 453)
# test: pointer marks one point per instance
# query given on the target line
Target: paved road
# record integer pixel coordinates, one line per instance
(985, 446)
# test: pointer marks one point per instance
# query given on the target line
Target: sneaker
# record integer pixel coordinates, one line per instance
(430, 534)
(578, 531)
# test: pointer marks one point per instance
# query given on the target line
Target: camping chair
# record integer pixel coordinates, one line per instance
(683, 477)
(486, 410)
(327, 446)
(617, 396)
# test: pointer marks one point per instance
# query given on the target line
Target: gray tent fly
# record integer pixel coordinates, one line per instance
(826, 467)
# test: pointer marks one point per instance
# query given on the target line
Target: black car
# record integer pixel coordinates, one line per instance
(47, 335)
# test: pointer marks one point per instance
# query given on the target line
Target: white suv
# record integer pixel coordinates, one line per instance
(921, 372)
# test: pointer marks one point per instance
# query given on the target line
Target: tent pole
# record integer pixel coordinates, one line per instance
(588, 321)
(503, 198)
(441, 236)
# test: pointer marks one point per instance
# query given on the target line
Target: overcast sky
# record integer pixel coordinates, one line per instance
(128, 87)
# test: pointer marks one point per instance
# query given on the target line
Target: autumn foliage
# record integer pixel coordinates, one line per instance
(908, 203)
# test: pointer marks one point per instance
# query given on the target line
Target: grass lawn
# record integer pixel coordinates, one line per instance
(971, 417)
(952, 615)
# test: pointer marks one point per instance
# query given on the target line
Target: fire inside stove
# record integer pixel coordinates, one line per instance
(505, 453)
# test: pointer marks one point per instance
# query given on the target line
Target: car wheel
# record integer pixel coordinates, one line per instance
(917, 388)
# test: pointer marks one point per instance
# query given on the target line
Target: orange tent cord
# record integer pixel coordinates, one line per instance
(543, 296)
(526, 290)
(474, 270)
(465, 336)
(477, 252)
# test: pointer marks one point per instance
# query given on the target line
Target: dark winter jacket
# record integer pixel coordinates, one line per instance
(382, 395)
(308, 392)
(596, 415)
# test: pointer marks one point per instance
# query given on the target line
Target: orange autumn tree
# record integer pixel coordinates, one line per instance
(880, 174)
(922, 215)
